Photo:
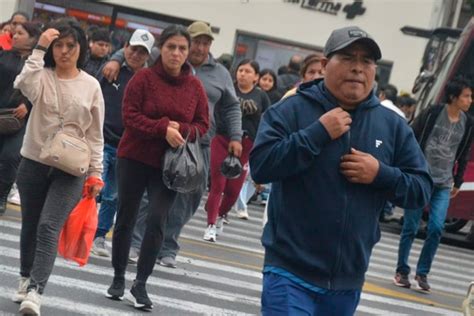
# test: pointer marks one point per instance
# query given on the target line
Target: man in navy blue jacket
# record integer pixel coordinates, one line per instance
(334, 156)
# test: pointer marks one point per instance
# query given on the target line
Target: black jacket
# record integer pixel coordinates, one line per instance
(11, 64)
(423, 125)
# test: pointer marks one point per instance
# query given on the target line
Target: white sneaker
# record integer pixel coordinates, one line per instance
(243, 214)
(99, 249)
(220, 225)
(20, 295)
(31, 304)
(133, 255)
(210, 233)
(14, 196)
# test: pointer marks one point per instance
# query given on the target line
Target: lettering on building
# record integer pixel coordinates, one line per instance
(331, 7)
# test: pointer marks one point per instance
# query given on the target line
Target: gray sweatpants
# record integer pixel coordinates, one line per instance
(47, 196)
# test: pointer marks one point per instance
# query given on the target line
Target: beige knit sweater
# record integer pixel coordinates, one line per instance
(81, 102)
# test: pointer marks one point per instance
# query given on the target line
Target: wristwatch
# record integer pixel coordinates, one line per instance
(44, 49)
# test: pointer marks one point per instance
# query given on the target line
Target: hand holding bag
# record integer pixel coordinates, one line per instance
(183, 167)
(9, 124)
(64, 150)
(231, 168)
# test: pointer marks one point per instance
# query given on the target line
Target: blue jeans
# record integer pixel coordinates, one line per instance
(283, 297)
(439, 204)
(108, 205)
(246, 193)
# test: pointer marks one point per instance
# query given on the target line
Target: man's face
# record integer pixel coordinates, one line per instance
(135, 56)
(99, 49)
(350, 74)
(464, 100)
(199, 50)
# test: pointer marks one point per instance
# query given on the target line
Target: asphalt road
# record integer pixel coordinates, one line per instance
(224, 278)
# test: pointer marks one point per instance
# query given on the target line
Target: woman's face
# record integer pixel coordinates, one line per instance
(174, 53)
(7, 28)
(266, 82)
(314, 71)
(21, 39)
(246, 76)
(66, 52)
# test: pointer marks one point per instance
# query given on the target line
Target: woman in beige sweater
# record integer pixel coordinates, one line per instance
(52, 80)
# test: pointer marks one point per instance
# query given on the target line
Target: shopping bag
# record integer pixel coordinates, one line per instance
(231, 168)
(183, 167)
(77, 235)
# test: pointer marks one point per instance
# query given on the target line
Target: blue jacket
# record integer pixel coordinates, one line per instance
(321, 227)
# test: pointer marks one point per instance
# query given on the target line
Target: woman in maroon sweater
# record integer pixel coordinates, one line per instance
(161, 106)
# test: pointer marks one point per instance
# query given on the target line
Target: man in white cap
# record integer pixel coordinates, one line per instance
(334, 155)
(136, 53)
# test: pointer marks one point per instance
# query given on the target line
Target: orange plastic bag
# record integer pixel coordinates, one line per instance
(77, 235)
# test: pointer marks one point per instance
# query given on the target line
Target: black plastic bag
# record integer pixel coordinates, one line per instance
(231, 168)
(183, 167)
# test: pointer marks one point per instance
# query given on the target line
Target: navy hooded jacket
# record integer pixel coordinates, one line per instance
(321, 227)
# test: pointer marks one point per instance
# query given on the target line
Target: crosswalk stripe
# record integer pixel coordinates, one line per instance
(437, 269)
(160, 282)
(394, 240)
(435, 285)
(233, 237)
(377, 311)
(449, 273)
(100, 289)
(225, 243)
(13, 253)
(406, 304)
(67, 305)
(452, 259)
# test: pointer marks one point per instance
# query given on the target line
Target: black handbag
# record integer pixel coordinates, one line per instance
(183, 167)
(9, 124)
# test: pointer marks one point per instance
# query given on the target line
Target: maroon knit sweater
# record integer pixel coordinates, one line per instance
(152, 99)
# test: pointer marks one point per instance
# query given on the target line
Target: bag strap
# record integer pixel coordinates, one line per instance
(58, 102)
(198, 136)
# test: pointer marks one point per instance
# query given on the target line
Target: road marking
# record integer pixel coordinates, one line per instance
(418, 307)
(100, 289)
(159, 282)
(91, 268)
(65, 304)
(379, 290)
(376, 311)
(385, 258)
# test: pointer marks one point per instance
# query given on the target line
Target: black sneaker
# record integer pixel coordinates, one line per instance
(401, 280)
(116, 290)
(422, 283)
(138, 296)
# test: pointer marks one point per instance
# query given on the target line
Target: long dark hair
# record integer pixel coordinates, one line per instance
(67, 27)
(174, 30)
(270, 72)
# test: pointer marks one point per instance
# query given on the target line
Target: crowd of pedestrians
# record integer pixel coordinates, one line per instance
(330, 144)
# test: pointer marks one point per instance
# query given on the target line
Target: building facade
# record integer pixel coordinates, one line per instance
(270, 31)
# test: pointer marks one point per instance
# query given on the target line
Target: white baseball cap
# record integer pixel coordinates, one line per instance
(142, 38)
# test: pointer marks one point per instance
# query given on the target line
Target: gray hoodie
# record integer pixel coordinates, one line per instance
(224, 108)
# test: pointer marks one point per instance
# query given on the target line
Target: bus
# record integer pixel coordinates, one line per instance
(448, 53)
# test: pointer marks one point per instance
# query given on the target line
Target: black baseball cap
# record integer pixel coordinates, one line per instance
(343, 37)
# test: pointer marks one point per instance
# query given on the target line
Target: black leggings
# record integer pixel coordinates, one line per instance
(133, 178)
